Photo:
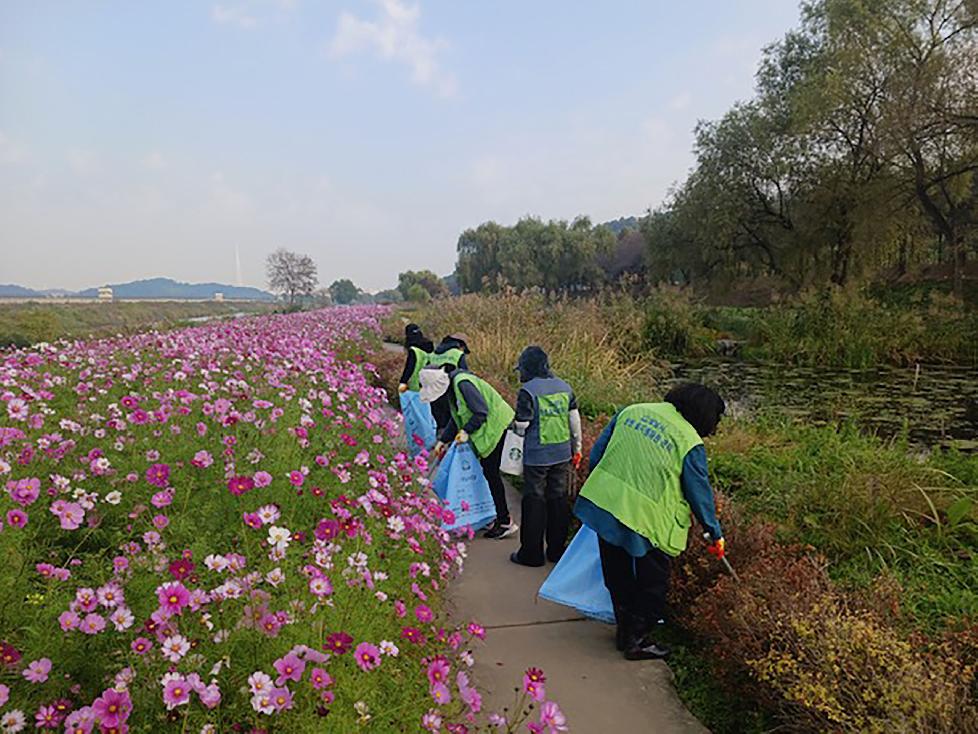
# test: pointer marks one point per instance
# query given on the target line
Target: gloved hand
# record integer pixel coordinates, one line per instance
(402, 387)
(438, 450)
(461, 437)
(577, 459)
(717, 548)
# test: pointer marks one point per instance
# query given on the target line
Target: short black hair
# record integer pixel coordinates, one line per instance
(699, 405)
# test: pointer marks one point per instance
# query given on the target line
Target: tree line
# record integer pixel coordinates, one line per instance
(857, 154)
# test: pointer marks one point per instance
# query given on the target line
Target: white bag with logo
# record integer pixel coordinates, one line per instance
(512, 459)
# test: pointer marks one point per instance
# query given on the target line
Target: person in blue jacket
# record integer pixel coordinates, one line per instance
(648, 472)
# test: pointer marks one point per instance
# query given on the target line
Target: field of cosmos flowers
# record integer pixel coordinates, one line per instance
(218, 529)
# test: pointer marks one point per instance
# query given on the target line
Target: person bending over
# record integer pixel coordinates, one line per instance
(648, 471)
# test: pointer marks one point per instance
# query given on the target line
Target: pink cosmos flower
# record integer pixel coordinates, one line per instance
(160, 521)
(412, 634)
(92, 624)
(423, 613)
(262, 479)
(16, 518)
(320, 679)
(431, 721)
(176, 692)
(281, 699)
(441, 694)
(112, 707)
(173, 597)
(37, 671)
(181, 568)
(367, 656)
(47, 717)
(240, 484)
(289, 668)
(552, 717)
(327, 529)
(477, 630)
(158, 475)
(252, 520)
(438, 670)
(141, 645)
(72, 515)
(24, 491)
(4, 695)
(210, 695)
(296, 478)
(202, 459)
(338, 643)
(69, 621)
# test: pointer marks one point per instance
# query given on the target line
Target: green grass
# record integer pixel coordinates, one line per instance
(868, 505)
(721, 711)
(22, 324)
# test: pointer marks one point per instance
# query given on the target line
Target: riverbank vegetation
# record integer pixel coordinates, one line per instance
(854, 163)
(857, 601)
(23, 324)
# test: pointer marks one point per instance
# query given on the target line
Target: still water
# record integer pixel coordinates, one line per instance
(938, 404)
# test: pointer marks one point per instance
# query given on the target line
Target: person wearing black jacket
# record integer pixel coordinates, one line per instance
(449, 355)
(419, 349)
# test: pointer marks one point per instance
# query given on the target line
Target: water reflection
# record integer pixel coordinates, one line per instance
(939, 404)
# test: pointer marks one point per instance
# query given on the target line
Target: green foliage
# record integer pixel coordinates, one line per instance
(674, 325)
(858, 152)
(343, 291)
(553, 256)
(23, 324)
(846, 328)
(594, 344)
(421, 286)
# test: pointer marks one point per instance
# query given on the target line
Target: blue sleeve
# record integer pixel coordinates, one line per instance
(696, 489)
(597, 451)
(463, 363)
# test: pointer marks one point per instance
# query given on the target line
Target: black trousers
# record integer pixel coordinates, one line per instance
(546, 512)
(441, 411)
(490, 467)
(637, 585)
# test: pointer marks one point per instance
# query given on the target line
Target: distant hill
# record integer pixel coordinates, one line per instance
(9, 290)
(150, 289)
(167, 288)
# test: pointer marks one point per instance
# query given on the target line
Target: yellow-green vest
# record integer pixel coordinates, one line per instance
(487, 436)
(637, 479)
(451, 356)
(420, 362)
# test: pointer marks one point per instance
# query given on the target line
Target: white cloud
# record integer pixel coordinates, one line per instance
(680, 101)
(10, 150)
(155, 160)
(82, 161)
(233, 15)
(394, 35)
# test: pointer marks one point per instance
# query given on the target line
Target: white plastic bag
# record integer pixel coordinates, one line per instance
(512, 459)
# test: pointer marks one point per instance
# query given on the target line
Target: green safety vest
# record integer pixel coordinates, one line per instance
(420, 362)
(553, 411)
(452, 357)
(487, 436)
(637, 479)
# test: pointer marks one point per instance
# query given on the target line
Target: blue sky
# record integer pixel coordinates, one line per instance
(141, 139)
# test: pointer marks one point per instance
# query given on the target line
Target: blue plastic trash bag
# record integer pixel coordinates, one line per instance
(577, 581)
(419, 424)
(459, 480)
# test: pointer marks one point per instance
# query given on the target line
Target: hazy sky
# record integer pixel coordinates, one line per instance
(151, 138)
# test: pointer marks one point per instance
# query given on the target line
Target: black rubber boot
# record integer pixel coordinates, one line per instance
(629, 631)
(646, 649)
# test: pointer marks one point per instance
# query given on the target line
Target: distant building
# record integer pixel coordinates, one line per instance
(218, 296)
(105, 293)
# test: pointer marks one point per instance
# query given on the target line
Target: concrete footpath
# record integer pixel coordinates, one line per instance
(598, 690)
